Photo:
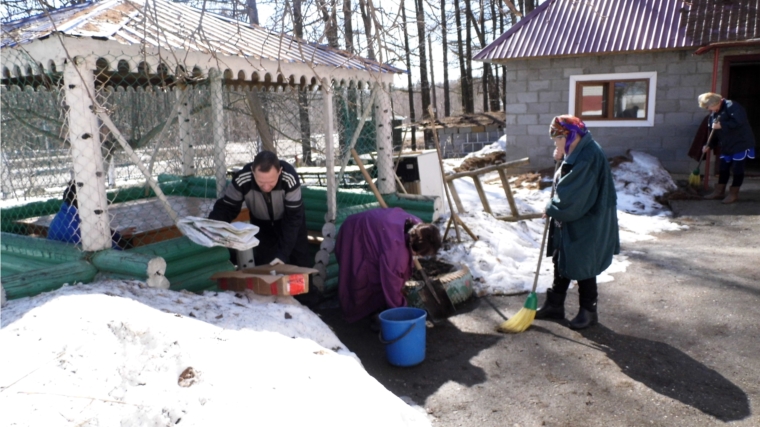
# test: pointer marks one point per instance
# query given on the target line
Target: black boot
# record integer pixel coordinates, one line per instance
(587, 315)
(554, 306)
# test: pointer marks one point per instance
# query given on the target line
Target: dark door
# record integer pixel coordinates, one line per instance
(744, 88)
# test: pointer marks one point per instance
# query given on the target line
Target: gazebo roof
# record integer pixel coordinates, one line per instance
(152, 32)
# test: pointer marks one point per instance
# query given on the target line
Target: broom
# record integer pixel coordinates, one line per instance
(695, 179)
(524, 318)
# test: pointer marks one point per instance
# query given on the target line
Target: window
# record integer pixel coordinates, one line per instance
(607, 100)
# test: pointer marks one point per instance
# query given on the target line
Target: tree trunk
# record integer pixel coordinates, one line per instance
(409, 75)
(495, 93)
(252, 11)
(424, 83)
(348, 26)
(329, 17)
(446, 98)
(470, 101)
(254, 101)
(365, 10)
(303, 96)
(462, 64)
(486, 66)
(529, 6)
(432, 80)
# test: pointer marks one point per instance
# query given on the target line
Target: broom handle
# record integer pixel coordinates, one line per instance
(546, 231)
(709, 138)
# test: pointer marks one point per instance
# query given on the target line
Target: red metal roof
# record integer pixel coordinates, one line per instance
(581, 27)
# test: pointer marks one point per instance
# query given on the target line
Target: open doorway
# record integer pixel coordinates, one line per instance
(741, 84)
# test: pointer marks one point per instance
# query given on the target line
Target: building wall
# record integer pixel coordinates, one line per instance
(538, 90)
(460, 141)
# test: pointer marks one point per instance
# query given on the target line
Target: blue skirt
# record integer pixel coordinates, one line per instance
(748, 153)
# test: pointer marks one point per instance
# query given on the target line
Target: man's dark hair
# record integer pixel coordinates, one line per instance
(425, 239)
(70, 194)
(265, 161)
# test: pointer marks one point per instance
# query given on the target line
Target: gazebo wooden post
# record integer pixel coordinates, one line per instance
(89, 173)
(332, 190)
(386, 176)
(328, 230)
(185, 131)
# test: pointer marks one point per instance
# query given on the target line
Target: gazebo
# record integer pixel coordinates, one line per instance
(187, 75)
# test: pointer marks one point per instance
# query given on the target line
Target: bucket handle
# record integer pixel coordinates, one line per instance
(393, 341)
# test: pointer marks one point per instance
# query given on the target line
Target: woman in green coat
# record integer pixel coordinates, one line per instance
(584, 233)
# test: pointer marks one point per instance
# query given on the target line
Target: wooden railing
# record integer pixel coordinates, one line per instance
(475, 175)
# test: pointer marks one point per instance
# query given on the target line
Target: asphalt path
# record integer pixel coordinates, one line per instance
(678, 342)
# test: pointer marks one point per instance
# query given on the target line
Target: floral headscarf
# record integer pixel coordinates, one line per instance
(569, 127)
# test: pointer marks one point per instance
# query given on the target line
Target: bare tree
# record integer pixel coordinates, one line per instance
(348, 35)
(329, 16)
(303, 98)
(468, 99)
(495, 104)
(432, 78)
(253, 11)
(365, 10)
(424, 83)
(409, 73)
(444, 41)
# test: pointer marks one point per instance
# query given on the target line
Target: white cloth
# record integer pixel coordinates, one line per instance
(208, 232)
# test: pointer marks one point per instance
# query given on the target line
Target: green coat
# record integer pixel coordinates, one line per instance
(585, 226)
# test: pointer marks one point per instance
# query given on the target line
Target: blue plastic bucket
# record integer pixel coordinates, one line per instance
(402, 330)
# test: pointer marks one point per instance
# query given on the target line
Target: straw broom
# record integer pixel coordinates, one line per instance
(695, 179)
(524, 318)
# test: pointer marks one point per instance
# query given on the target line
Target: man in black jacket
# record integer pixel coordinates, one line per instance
(271, 190)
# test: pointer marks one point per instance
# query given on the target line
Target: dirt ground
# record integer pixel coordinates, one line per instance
(678, 342)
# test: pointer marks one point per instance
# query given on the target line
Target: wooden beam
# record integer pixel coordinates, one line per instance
(481, 194)
(520, 162)
(508, 192)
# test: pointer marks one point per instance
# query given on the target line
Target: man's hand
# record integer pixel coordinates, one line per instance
(716, 125)
(276, 261)
(706, 148)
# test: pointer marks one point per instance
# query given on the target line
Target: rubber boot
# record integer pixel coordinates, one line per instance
(554, 306)
(587, 315)
(733, 195)
(718, 192)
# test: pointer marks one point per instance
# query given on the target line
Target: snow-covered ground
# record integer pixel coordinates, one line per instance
(119, 354)
(504, 258)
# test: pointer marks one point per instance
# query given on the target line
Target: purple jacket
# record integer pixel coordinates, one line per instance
(375, 261)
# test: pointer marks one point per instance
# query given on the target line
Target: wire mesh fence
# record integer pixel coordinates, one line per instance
(120, 117)
(166, 130)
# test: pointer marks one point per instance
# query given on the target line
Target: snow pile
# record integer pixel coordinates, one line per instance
(120, 354)
(639, 181)
(503, 260)
(498, 146)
